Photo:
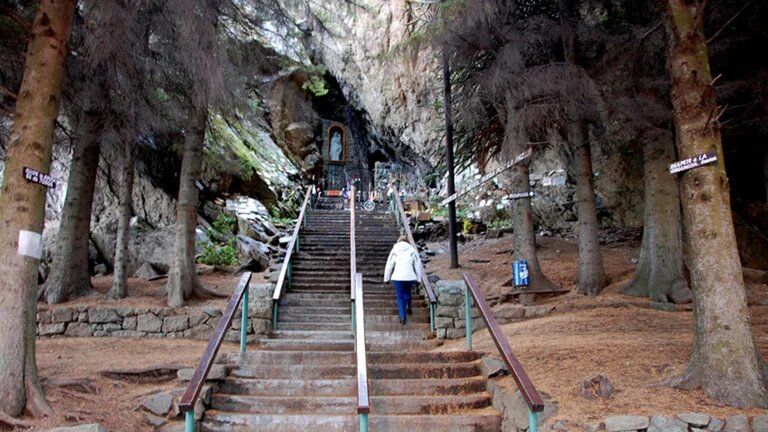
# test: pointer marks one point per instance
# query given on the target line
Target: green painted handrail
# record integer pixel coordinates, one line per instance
(524, 384)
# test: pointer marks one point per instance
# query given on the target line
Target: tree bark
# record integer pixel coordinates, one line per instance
(659, 273)
(70, 276)
(182, 277)
(592, 277)
(525, 237)
(724, 359)
(22, 205)
(120, 283)
(452, 223)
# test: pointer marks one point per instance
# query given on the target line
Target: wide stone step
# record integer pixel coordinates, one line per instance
(316, 371)
(342, 326)
(284, 404)
(292, 357)
(218, 421)
(432, 404)
(290, 387)
(311, 334)
(485, 420)
(424, 371)
(427, 387)
(287, 315)
(422, 357)
(307, 345)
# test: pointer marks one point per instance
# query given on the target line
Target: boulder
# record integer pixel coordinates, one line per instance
(493, 367)
(667, 424)
(736, 423)
(760, 423)
(598, 386)
(509, 312)
(146, 271)
(625, 423)
(102, 315)
(253, 251)
(175, 323)
(697, 420)
(158, 403)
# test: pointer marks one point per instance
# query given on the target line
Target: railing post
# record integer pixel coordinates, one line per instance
(363, 422)
(298, 242)
(533, 421)
(468, 316)
(189, 421)
(244, 321)
(431, 317)
(275, 305)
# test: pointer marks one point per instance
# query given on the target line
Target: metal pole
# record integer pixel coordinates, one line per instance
(189, 421)
(244, 321)
(468, 316)
(431, 317)
(274, 315)
(533, 421)
(354, 329)
(363, 422)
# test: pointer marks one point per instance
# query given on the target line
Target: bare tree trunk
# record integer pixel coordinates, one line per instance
(22, 205)
(120, 283)
(525, 237)
(724, 360)
(182, 278)
(659, 273)
(452, 223)
(70, 276)
(592, 277)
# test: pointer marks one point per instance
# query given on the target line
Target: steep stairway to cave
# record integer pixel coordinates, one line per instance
(303, 375)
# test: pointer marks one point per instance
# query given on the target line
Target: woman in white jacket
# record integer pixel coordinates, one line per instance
(404, 270)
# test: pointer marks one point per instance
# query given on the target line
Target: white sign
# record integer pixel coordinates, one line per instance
(30, 244)
(520, 195)
(519, 158)
(34, 176)
(693, 162)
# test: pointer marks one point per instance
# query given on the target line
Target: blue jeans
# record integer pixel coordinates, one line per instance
(403, 291)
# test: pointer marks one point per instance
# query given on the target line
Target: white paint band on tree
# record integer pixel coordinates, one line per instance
(519, 158)
(520, 195)
(30, 244)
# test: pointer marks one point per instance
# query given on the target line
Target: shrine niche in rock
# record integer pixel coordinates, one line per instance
(341, 165)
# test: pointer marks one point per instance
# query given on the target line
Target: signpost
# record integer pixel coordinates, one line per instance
(693, 162)
(519, 158)
(34, 176)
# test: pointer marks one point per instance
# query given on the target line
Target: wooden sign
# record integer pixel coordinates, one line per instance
(35, 176)
(693, 162)
(520, 195)
(519, 158)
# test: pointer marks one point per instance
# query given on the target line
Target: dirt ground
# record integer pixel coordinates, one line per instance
(618, 336)
(636, 347)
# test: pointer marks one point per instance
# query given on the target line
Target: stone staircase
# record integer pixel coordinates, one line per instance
(303, 375)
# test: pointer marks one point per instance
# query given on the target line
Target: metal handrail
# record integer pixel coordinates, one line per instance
(187, 403)
(403, 220)
(352, 245)
(363, 402)
(524, 384)
(285, 270)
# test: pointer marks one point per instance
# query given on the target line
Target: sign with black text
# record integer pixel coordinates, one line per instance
(693, 162)
(34, 176)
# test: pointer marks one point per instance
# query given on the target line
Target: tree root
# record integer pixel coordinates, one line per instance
(201, 291)
(83, 385)
(37, 405)
(13, 422)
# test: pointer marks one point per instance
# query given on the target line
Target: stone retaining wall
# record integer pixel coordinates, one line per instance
(682, 422)
(158, 322)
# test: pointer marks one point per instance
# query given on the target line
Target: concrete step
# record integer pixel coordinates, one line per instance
(284, 404)
(316, 371)
(291, 357)
(311, 334)
(290, 387)
(342, 326)
(427, 387)
(423, 357)
(485, 420)
(424, 371)
(431, 404)
(307, 345)
(219, 421)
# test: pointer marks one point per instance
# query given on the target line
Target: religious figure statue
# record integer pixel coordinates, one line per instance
(337, 148)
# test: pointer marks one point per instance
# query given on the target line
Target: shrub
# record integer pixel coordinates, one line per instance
(219, 256)
(224, 224)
